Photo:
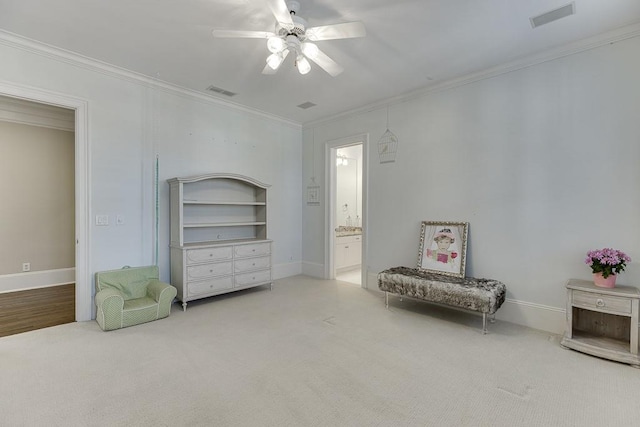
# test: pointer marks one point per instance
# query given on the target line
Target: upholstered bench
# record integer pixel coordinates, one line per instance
(481, 295)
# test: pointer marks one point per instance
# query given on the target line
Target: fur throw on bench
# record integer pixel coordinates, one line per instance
(481, 295)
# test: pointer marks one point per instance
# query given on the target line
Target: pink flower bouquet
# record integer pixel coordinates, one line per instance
(607, 261)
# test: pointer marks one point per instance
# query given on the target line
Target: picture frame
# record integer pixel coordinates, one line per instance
(443, 247)
(313, 195)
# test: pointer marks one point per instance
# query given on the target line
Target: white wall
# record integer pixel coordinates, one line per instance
(543, 163)
(192, 137)
(130, 122)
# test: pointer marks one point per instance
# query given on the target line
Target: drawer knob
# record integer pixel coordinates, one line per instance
(253, 264)
(600, 302)
(253, 250)
(210, 255)
(210, 271)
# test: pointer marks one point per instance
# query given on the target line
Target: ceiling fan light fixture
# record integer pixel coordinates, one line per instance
(274, 60)
(292, 35)
(275, 44)
(303, 64)
(310, 50)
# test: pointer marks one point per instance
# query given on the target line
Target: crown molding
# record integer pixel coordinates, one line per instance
(610, 37)
(16, 41)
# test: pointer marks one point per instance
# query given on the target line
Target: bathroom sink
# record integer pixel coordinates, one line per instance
(344, 230)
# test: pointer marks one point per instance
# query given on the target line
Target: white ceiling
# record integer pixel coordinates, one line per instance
(410, 44)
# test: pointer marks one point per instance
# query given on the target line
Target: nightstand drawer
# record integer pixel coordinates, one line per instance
(600, 302)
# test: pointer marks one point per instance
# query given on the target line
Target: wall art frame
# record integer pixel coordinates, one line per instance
(443, 247)
(313, 195)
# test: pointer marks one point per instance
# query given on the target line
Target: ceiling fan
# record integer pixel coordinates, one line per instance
(291, 35)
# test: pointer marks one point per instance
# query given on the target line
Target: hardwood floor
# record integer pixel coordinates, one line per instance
(32, 309)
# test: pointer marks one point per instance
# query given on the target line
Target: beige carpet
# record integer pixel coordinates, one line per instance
(309, 353)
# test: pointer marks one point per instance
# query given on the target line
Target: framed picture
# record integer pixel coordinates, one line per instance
(443, 247)
(313, 195)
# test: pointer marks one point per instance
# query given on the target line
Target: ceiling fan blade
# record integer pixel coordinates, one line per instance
(326, 63)
(242, 34)
(281, 12)
(268, 70)
(346, 30)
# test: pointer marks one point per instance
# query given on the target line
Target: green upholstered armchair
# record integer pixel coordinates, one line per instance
(131, 296)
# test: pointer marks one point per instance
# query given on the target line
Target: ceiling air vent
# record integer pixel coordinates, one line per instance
(221, 91)
(554, 15)
(306, 105)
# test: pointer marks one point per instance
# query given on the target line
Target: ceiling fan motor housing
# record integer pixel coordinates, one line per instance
(293, 42)
(298, 30)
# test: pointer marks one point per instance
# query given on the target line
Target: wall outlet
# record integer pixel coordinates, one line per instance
(26, 266)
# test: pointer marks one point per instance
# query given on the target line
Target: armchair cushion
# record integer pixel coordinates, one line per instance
(131, 296)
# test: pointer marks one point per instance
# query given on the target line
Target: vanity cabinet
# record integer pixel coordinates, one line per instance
(348, 252)
(218, 235)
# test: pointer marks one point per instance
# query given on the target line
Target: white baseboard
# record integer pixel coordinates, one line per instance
(313, 269)
(372, 281)
(536, 316)
(36, 279)
(288, 269)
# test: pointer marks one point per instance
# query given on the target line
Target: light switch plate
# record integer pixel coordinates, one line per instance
(102, 220)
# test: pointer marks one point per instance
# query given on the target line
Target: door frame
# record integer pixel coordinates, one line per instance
(331, 148)
(82, 179)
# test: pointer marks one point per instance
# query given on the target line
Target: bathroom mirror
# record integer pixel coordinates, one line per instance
(349, 186)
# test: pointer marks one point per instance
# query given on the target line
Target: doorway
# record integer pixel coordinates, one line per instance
(347, 207)
(83, 294)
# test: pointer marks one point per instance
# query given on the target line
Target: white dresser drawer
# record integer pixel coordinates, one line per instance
(251, 278)
(209, 286)
(256, 249)
(203, 271)
(249, 264)
(197, 256)
(600, 302)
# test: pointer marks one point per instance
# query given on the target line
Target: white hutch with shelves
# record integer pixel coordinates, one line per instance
(218, 235)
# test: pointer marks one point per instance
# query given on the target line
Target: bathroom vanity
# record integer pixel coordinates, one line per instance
(348, 250)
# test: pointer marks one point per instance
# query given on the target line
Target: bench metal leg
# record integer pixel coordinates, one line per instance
(484, 323)
(386, 299)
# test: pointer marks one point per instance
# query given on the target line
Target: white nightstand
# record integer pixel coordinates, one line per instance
(603, 322)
